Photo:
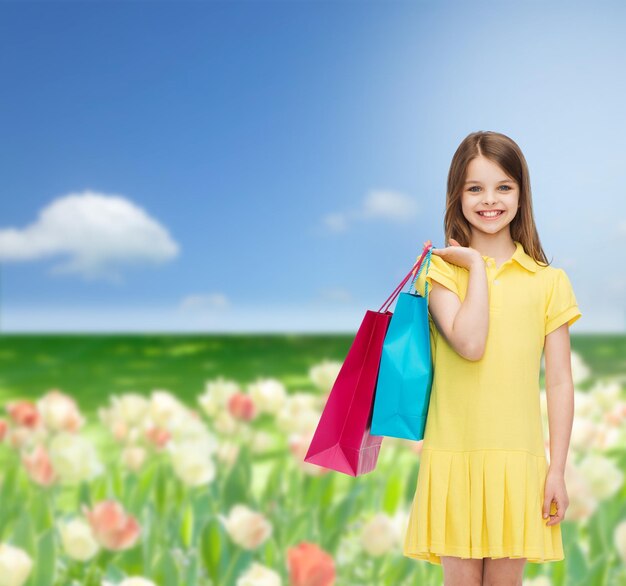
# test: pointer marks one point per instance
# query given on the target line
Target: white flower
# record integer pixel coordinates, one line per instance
(133, 457)
(194, 429)
(609, 437)
(379, 535)
(261, 441)
(227, 452)
(225, 424)
(582, 502)
(619, 535)
(580, 370)
(15, 565)
(586, 406)
(605, 394)
(298, 414)
(25, 438)
(246, 527)
(136, 581)
(604, 477)
(166, 411)
(584, 433)
(216, 395)
(400, 522)
(538, 581)
(192, 463)
(268, 395)
(74, 458)
(299, 446)
(259, 575)
(325, 374)
(131, 408)
(59, 412)
(78, 540)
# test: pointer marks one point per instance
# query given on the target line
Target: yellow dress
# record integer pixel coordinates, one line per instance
(483, 464)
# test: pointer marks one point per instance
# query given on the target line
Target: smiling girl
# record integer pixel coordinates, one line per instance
(487, 500)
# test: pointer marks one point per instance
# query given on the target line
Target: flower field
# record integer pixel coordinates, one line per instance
(178, 460)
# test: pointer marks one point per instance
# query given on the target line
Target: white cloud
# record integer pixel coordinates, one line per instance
(336, 294)
(336, 222)
(202, 302)
(385, 205)
(390, 205)
(98, 232)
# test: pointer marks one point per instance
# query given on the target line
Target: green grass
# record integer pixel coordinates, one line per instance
(92, 367)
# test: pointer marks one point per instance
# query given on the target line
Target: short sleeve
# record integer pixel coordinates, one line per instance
(561, 305)
(440, 271)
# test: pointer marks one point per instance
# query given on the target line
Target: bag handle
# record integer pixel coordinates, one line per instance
(428, 255)
(417, 266)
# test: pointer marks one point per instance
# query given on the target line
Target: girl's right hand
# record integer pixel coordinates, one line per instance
(462, 256)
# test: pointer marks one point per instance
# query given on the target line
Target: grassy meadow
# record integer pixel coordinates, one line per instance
(180, 462)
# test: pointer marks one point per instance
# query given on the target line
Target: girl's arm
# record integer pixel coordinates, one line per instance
(463, 325)
(560, 398)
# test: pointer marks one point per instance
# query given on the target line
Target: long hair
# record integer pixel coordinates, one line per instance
(503, 151)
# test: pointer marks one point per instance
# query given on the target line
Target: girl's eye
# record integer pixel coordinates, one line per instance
(476, 186)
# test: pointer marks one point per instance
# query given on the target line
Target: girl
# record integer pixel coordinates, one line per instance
(487, 500)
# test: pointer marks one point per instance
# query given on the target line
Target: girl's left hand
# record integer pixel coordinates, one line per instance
(554, 491)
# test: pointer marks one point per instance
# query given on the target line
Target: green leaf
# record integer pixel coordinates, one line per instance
(40, 509)
(595, 575)
(272, 485)
(237, 485)
(271, 555)
(327, 490)
(84, 496)
(150, 535)
(576, 562)
(187, 526)
(142, 490)
(23, 533)
(214, 548)
(43, 571)
(160, 490)
(296, 527)
(192, 573)
(165, 571)
(411, 485)
(392, 493)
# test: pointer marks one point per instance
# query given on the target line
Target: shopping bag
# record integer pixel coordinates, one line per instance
(342, 440)
(405, 374)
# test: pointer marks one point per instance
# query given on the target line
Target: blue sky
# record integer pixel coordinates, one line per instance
(276, 166)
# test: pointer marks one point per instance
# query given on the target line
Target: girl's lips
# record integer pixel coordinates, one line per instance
(492, 218)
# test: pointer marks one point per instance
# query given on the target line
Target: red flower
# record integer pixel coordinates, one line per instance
(309, 565)
(23, 413)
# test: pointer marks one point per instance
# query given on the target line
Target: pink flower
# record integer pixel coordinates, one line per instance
(112, 527)
(39, 467)
(241, 406)
(23, 413)
(3, 429)
(309, 565)
(158, 436)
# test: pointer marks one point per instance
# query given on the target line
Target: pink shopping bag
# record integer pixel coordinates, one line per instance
(342, 440)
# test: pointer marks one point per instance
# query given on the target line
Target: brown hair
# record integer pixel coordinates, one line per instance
(504, 152)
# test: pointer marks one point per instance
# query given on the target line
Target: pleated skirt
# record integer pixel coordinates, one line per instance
(481, 503)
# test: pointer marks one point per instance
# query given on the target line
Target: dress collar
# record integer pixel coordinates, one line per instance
(521, 257)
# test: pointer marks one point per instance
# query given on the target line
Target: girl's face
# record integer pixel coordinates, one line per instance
(487, 187)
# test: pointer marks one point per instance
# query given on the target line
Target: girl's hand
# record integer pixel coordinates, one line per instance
(554, 491)
(462, 256)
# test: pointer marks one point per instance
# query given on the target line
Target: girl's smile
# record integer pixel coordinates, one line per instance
(490, 215)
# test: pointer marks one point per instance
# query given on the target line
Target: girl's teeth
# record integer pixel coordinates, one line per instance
(490, 214)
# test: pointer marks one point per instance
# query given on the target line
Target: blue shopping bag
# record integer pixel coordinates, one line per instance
(405, 373)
